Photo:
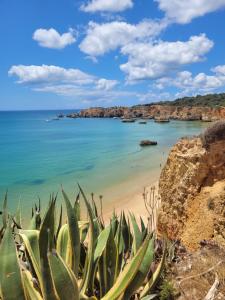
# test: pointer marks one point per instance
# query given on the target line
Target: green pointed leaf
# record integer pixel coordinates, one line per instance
(10, 274)
(137, 234)
(65, 283)
(30, 239)
(18, 217)
(74, 235)
(93, 234)
(63, 243)
(111, 255)
(4, 211)
(128, 273)
(142, 272)
(46, 234)
(101, 242)
(31, 292)
(156, 275)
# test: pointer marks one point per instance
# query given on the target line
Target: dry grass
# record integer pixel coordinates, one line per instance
(213, 134)
(196, 273)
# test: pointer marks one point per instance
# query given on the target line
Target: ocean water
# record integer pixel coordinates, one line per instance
(36, 156)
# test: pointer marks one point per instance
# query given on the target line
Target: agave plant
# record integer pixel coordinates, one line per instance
(77, 260)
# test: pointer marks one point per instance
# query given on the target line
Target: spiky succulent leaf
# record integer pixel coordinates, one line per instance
(48, 287)
(30, 240)
(10, 274)
(142, 272)
(137, 240)
(74, 235)
(128, 273)
(30, 290)
(64, 280)
(156, 275)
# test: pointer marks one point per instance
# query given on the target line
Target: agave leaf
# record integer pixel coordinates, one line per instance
(128, 273)
(31, 292)
(111, 256)
(114, 224)
(74, 235)
(93, 234)
(48, 288)
(35, 221)
(137, 234)
(18, 218)
(32, 225)
(65, 283)
(31, 241)
(83, 231)
(106, 253)
(101, 242)
(102, 275)
(125, 233)
(77, 207)
(10, 274)
(63, 244)
(142, 272)
(4, 211)
(120, 249)
(60, 222)
(155, 277)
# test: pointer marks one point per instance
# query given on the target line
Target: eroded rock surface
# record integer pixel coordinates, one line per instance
(192, 189)
(157, 112)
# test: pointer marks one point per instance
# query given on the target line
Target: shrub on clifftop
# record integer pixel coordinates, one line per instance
(213, 134)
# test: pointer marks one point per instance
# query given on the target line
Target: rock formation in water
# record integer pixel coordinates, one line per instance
(192, 189)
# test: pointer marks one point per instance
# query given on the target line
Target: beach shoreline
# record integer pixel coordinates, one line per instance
(129, 196)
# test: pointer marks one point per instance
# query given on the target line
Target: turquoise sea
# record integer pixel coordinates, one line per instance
(103, 155)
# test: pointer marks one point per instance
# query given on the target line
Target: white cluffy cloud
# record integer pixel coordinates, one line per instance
(201, 83)
(67, 82)
(155, 60)
(107, 5)
(45, 74)
(50, 38)
(183, 12)
(102, 38)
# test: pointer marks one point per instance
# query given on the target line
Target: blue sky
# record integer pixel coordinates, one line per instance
(74, 54)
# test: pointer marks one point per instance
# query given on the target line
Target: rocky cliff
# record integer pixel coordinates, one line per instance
(155, 111)
(192, 189)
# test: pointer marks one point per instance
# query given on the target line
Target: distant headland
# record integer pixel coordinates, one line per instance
(206, 108)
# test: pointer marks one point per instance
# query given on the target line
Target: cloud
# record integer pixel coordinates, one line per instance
(105, 84)
(66, 82)
(107, 6)
(105, 37)
(201, 83)
(183, 12)
(50, 38)
(45, 74)
(89, 95)
(155, 60)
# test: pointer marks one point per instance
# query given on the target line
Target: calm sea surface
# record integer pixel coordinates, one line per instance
(37, 156)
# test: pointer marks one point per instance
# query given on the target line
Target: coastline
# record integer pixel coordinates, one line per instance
(128, 196)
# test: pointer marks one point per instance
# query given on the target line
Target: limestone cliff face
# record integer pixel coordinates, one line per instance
(153, 111)
(191, 170)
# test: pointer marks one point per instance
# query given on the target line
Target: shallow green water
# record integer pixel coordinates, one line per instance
(37, 156)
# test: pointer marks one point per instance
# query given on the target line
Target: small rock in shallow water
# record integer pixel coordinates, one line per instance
(148, 143)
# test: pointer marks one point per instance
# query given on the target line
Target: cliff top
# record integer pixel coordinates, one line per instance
(210, 100)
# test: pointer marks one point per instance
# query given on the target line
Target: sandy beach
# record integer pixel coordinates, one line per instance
(129, 197)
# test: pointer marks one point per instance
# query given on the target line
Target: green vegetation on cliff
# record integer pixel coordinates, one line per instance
(210, 100)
